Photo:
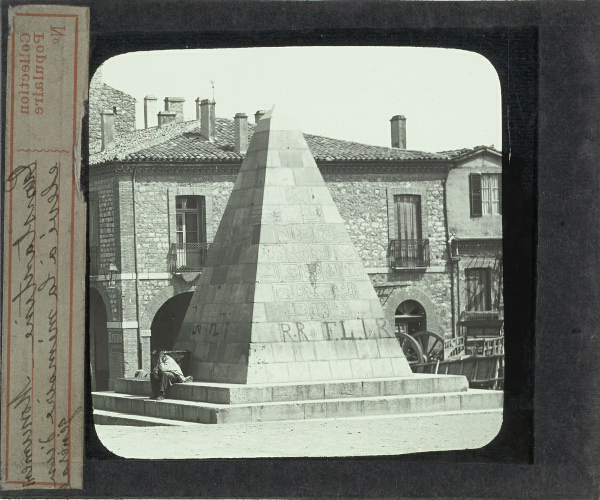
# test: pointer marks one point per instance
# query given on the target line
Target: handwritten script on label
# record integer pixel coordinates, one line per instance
(44, 250)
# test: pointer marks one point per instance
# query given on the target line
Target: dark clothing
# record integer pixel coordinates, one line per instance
(160, 381)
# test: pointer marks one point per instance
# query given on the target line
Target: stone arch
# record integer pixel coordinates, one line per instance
(150, 310)
(400, 295)
(98, 341)
(168, 320)
(106, 298)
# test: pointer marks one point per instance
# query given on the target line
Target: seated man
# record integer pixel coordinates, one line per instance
(165, 373)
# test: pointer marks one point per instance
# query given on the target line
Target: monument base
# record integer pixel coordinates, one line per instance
(212, 403)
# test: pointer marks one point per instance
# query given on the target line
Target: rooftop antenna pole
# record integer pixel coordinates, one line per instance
(212, 82)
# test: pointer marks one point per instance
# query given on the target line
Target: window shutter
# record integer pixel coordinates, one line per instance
(488, 289)
(500, 194)
(475, 194)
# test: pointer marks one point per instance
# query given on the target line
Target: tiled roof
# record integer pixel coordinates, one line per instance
(183, 142)
(463, 153)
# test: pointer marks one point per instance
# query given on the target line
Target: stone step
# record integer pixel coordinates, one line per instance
(214, 413)
(210, 392)
(103, 417)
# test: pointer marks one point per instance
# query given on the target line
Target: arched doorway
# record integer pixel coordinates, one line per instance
(98, 342)
(410, 317)
(167, 321)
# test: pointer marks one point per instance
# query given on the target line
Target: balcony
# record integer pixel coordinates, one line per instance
(187, 256)
(408, 254)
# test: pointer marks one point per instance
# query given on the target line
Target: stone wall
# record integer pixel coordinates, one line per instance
(155, 212)
(362, 199)
(419, 286)
(104, 97)
(364, 203)
(104, 190)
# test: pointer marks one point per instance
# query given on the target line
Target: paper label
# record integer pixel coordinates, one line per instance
(43, 325)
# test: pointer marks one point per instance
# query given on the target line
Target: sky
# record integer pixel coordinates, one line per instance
(450, 98)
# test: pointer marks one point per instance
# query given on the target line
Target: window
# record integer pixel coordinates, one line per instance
(408, 208)
(485, 194)
(410, 317)
(191, 231)
(409, 250)
(479, 292)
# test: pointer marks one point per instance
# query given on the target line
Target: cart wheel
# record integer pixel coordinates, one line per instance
(431, 344)
(411, 348)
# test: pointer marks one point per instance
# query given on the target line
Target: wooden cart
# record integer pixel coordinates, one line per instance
(480, 359)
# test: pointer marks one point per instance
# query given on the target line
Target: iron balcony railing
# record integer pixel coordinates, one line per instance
(187, 256)
(409, 253)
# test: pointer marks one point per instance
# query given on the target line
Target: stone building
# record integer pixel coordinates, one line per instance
(104, 97)
(157, 195)
(475, 230)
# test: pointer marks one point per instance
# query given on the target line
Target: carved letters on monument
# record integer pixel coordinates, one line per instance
(283, 240)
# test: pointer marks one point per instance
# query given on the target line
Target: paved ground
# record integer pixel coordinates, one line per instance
(387, 435)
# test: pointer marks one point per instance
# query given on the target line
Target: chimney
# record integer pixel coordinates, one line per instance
(165, 117)
(240, 132)
(107, 129)
(150, 118)
(398, 131)
(258, 115)
(175, 104)
(207, 119)
(198, 113)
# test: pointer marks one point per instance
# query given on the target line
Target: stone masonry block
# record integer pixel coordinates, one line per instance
(196, 392)
(336, 390)
(237, 373)
(325, 350)
(257, 373)
(372, 388)
(264, 292)
(250, 394)
(308, 177)
(279, 177)
(274, 411)
(382, 367)
(311, 391)
(361, 368)
(234, 415)
(277, 371)
(285, 393)
(346, 349)
(400, 367)
(398, 386)
(345, 408)
(283, 352)
(400, 405)
(137, 406)
(260, 353)
(319, 370)
(340, 369)
(299, 371)
(376, 407)
(220, 372)
(217, 395)
(367, 349)
(315, 410)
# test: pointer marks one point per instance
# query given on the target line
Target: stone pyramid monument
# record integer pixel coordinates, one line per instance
(283, 296)
(284, 324)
